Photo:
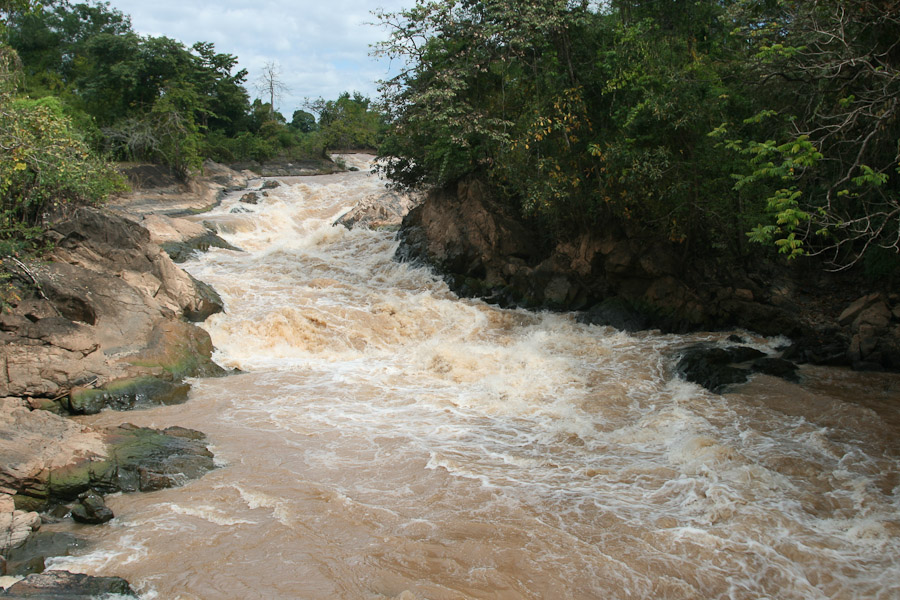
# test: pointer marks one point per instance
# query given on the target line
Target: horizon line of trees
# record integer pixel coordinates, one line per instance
(78, 87)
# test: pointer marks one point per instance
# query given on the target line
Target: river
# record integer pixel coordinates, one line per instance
(387, 440)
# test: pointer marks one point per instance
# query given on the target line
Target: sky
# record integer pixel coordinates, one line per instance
(321, 47)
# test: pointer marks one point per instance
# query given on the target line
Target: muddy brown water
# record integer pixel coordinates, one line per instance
(389, 440)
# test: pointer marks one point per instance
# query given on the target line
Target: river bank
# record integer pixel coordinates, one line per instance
(107, 320)
(613, 276)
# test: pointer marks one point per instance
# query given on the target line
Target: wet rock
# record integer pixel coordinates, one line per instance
(91, 509)
(184, 250)
(271, 184)
(180, 350)
(710, 367)
(381, 211)
(45, 467)
(62, 585)
(777, 367)
(618, 313)
(250, 198)
(126, 394)
(139, 459)
(31, 556)
(716, 368)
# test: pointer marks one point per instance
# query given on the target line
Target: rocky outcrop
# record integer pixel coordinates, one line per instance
(158, 191)
(108, 311)
(180, 238)
(289, 168)
(873, 323)
(616, 276)
(47, 459)
(380, 211)
(105, 323)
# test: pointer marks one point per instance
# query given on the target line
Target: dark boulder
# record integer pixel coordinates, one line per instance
(91, 509)
(710, 367)
(776, 367)
(181, 251)
(62, 585)
(618, 313)
(716, 368)
(250, 198)
(30, 556)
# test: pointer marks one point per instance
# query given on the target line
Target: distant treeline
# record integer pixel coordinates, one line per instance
(78, 87)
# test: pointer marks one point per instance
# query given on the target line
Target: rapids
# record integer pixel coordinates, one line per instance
(385, 439)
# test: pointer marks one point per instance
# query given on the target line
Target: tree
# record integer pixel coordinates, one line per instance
(45, 167)
(303, 121)
(830, 169)
(573, 113)
(269, 83)
(348, 122)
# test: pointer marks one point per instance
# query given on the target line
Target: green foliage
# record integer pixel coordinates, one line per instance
(348, 122)
(840, 58)
(303, 121)
(700, 120)
(45, 165)
(574, 114)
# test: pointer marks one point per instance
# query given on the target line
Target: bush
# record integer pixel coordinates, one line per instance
(45, 166)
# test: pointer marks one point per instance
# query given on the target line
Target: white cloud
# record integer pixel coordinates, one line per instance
(322, 48)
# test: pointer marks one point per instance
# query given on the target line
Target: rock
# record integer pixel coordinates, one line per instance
(271, 184)
(62, 585)
(31, 556)
(878, 316)
(616, 312)
(182, 251)
(207, 302)
(777, 367)
(35, 443)
(91, 509)
(46, 459)
(180, 349)
(16, 526)
(250, 198)
(139, 459)
(164, 229)
(293, 168)
(126, 394)
(385, 210)
(716, 368)
(710, 367)
(851, 312)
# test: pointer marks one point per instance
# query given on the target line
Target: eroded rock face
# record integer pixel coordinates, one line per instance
(873, 322)
(485, 250)
(111, 311)
(129, 459)
(618, 278)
